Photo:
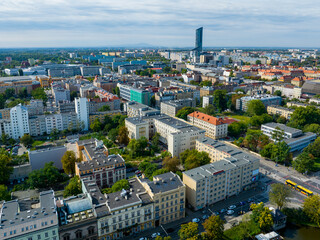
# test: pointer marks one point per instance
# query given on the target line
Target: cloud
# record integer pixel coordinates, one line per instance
(168, 23)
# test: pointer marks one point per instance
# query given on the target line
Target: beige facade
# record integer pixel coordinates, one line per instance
(172, 107)
(231, 172)
(285, 112)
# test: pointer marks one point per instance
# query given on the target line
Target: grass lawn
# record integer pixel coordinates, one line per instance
(37, 143)
(238, 117)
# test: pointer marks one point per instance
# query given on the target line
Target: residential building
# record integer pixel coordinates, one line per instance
(5, 127)
(101, 115)
(66, 107)
(135, 109)
(207, 100)
(38, 158)
(175, 133)
(267, 100)
(216, 127)
(231, 172)
(5, 113)
(121, 214)
(35, 107)
(172, 107)
(19, 83)
(77, 218)
(140, 96)
(98, 165)
(21, 223)
(294, 138)
(82, 111)
(19, 121)
(268, 236)
(60, 94)
(168, 192)
(282, 111)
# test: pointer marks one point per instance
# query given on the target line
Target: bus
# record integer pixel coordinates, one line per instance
(304, 191)
(299, 188)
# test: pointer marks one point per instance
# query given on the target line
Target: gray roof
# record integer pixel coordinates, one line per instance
(165, 182)
(282, 127)
(302, 136)
(179, 102)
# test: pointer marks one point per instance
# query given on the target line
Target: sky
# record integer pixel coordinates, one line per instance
(165, 23)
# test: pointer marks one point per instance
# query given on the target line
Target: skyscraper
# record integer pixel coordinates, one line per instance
(198, 44)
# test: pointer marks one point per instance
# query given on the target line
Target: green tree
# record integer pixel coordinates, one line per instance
(262, 216)
(304, 116)
(235, 129)
(255, 107)
(4, 194)
(39, 93)
(23, 93)
(214, 227)
(220, 99)
(280, 152)
(314, 127)
(277, 93)
(193, 158)
(188, 231)
(206, 84)
(2, 101)
(96, 125)
(104, 108)
(9, 92)
(54, 134)
(5, 168)
(158, 172)
(163, 238)
(26, 140)
(123, 137)
(282, 120)
(304, 162)
(311, 207)
(184, 112)
(121, 184)
(209, 109)
(73, 95)
(279, 194)
(257, 121)
(137, 147)
(267, 150)
(113, 134)
(314, 148)
(153, 101)
(116, 91)
(5, 138)
(277, 134)
(184, 70)
(155, 142)
(171, 163)
(68, 162)
(73, 188)
(255, 140)
(148, 168)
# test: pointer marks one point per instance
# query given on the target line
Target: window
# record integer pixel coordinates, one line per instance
(79, 234)
(66, 237)
(39, 236)
(53, 232)
(46, 234)
(90, 230)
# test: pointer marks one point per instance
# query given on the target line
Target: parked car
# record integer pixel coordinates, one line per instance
(196, 220)
(204, 217)
(232, 207)
(143, 238)
(222, 210)
(230, 212)
(154, 235)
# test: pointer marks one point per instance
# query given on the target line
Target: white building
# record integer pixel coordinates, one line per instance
(206, 100)
(82, 110)
(19, 121)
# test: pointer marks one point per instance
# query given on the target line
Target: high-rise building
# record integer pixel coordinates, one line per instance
(198, 44)
(82, 110)
(19, 121)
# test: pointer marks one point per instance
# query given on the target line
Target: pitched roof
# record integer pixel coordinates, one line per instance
(211, 119)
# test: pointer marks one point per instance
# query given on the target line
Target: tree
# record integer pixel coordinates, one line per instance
(304, 116)
(214, 227)
(148, 168)
(262, 216)
(255, 140)
(314, 148)
(54, 134)
(116, 91)
(206, 84)
(267, 150)
(257, 121)
(282, 120)
(137, 147)
(23, 93)
(304, 162)
(9, 92)
(155, 142)
(311, 207)
(277, 134)
(171, 163)
(209, 109)
(96, 125)
(104, 108)
(277, 93)
(153, 101)
(123, 135)
(5, 139)
(5, 168)
(113, 134)
(184, 70)
(279, 194)
(4, 194)
(39, 93)
(235, 129)
(314, 127)
(255, 107)
(188, 231)
(2, 101)
(280, 152)
(73, 188)
(193, 158)
(119, 185)
(68, 162)
(220, 99)
(73, 95)
(184, 112)
(26, 140)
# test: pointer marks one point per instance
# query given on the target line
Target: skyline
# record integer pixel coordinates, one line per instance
(58, 24)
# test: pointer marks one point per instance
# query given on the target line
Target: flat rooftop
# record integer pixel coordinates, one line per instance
(282, 127)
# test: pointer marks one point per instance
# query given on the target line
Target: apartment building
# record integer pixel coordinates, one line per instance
(98, 165)
(294, 138)
(175, 133)
(19, 83)
(19, 121)
(267, 100)
(167, 191)
(82, 111)
(207, 100)
(60, 94)
(135, 109)
(5, 113)
(121, 214)
(21, 222)
(282, 111)
(215, 127)
(231, 172)
(172, 107)
(5, 127)
(77, 218)
(35, 107)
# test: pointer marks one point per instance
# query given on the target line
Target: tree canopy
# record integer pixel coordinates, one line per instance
(304, 162)
(311, 207)
(213, 228)
(220, 99)
(73, 188)
(262, 216)
(188, 231)
(68, 162)
(303, 116)
(255, 107)
(279, 194)
(5, 168)
(235, 129)
(26, 140)
(184, 112)
(193, 158)
(171, 163)
(123, 135)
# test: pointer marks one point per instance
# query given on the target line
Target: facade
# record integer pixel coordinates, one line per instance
(172, 107)
(175, 133)
(140, 95)
(19, 118)
(41, 222)
(207, 100)
(167, 191)
(135, 109)
(98, 165)
(121, 214)
(5, 113)
(282, 111)
(198, 43)
(294, 138)
(82, 111)
(267, 100)
(5, 127)
(35, 107)
(38, 158)
(60, 94)
(215, 127)
(77, 218)
(231, 172)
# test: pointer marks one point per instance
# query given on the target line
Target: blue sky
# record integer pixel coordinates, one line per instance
(168, 23)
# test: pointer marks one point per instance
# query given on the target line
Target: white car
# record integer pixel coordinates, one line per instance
(143, 238)
(154, 235)
(230, 212)
(222, 210)
(196, 220)
(232, 207)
